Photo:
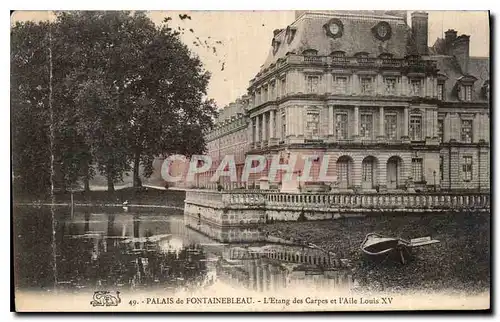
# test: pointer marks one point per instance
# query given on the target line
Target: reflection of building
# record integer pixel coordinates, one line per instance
(364, 89)
(225, 234)
(274, 267)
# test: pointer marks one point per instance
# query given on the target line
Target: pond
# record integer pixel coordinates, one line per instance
(122, 249)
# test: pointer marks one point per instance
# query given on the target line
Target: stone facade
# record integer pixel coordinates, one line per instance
(228, 137)
(389, 112)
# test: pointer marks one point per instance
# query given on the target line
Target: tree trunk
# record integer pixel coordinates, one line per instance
(109, 176)
(86, 183)
(86, 178)
(111, 184)
(137, 180)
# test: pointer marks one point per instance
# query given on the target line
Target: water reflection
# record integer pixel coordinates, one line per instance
(127, 250)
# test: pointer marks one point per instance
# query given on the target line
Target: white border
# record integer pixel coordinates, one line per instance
(198, 5)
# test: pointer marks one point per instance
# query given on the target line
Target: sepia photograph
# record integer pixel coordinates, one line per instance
(250, 161)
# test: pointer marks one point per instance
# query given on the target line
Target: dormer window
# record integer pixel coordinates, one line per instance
(440, 91)
(276, 44)
(465, 93)
(338, 54)
(485, 90)
(464, 87)
(290, 34)
(310, 52)
(361, 55)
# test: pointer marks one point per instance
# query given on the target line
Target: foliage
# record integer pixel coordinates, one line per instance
(123, 89)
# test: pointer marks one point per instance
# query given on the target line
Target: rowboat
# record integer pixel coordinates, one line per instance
(376, 245)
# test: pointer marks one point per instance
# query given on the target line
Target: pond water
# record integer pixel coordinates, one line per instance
(121, 249)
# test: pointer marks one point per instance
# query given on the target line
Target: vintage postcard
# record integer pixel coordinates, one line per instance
(250, 161)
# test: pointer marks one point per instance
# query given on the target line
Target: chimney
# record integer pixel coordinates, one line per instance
(460, 49)
(419, 26)
(449, 36)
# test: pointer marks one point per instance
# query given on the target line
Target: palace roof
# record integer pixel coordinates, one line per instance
(309, 32)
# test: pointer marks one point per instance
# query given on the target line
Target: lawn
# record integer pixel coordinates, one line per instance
(143, 196)
(461, 261)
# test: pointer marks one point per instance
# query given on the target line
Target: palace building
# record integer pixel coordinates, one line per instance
(365, 90)
(228, 137)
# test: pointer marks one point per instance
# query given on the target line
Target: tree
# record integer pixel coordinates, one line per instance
(29, 107)
(123, 91)
(153, 87)
(46, 148)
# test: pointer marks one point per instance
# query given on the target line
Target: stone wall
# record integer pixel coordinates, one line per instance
(239, 209)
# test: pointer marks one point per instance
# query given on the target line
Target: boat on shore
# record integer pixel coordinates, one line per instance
(376, 245)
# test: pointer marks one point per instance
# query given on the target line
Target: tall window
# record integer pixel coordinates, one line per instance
(441, 167)
(312, 124)
(265, 96)
(341, 125)
(367, 171)
(440, 91)
(416, 164)
(283, 87)
(272, 94)
(312, 84)
(366, 126)
(391, 126)
(440, 130)
(416, 127)
(259, 130)
(343, 172)
(275, 129)
(283, 125)
(341, 84)
(466, 131)
(366, 85)
(254, 132)
(390, 86)
(415, 87)
(467, 168)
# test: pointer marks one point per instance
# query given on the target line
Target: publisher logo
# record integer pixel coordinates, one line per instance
(105, 298)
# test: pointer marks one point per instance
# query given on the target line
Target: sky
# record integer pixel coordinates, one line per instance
(242, 40)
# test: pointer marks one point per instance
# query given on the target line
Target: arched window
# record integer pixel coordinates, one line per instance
(338, 53)
(394, 172)
(362, 54)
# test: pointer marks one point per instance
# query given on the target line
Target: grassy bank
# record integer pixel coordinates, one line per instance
(461, 261)
(144, 196)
